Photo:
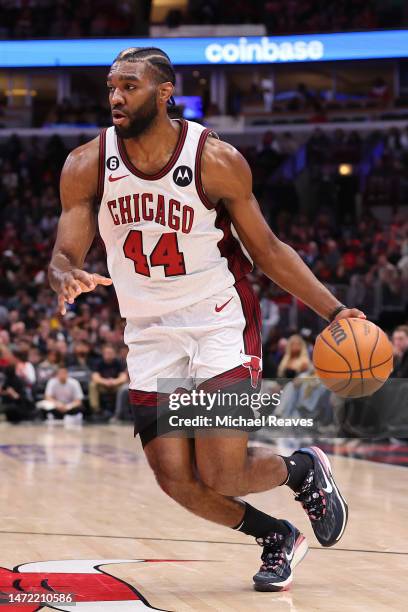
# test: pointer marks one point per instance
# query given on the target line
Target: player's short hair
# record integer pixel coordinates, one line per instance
(155, 58)
(402, 328)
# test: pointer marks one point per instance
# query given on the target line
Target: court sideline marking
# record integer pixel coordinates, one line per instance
(89, 535)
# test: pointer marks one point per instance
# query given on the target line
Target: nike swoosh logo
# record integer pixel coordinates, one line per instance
(290, 557)
(328, 488)
(219, 308)
(112, 179)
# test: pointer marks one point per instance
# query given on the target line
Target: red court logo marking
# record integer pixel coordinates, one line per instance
(82, 578)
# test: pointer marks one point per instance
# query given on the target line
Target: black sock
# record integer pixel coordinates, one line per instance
(259, 524)
(298, 466)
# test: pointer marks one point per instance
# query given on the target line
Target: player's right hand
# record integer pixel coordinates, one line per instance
(75, 282)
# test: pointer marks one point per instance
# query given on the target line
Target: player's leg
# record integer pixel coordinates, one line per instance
(226, 351)
(157, 350)
(226, 464)
(229, 347)
(161, 351)
(172, 461)
(216, 328)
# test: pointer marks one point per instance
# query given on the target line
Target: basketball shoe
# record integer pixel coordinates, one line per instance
(280, 556)
(322, 500)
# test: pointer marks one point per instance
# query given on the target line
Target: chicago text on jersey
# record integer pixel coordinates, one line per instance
(138, 207)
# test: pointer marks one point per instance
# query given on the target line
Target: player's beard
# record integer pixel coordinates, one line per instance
(139, 121)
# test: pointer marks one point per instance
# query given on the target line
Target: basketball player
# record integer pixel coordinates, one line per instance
(174, 204)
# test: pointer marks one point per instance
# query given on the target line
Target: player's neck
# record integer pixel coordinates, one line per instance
(155, 143)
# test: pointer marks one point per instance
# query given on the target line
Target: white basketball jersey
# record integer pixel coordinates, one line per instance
(167, 246)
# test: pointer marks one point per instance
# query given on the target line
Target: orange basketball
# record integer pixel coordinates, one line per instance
(353, 357)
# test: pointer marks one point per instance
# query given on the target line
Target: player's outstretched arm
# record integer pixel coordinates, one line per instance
(227, 176)
(76, 226)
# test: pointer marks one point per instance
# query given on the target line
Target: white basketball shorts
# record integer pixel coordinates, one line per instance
(217, 338)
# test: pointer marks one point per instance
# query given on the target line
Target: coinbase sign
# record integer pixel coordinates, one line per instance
(264, 51)
(210, 51)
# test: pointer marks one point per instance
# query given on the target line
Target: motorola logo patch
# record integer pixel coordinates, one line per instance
(182, 176)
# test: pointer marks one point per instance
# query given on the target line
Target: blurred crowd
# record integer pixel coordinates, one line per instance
(70, 18)
(31, 332)
(37, 345)
(296, 16)
(85, 18)
(83, 111)
(315, 104)
(347, 244)
(259, 103)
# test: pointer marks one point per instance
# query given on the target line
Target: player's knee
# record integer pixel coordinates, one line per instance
(179, 488)
(224, 482)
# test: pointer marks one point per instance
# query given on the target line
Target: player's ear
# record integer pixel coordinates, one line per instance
(165, 92)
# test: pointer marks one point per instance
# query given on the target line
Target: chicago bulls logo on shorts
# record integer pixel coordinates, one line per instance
(254, 365)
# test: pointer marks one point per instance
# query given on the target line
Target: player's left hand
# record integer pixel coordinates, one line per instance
(349, 313)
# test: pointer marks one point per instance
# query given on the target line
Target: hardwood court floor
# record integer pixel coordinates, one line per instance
(88, 494)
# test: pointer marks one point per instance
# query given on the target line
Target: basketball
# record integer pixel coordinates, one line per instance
(353, 357)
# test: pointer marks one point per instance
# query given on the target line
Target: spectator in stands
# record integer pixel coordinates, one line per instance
(4, 315)
(47, 368)
(305, 99)
(35, 358)
(4, 338)
(61, 347)
(268, 156)
(273, 351)
(17, 385)
(332, 256)
(296, 358)
(311, 254)
(402, 264)
(289, 146)
(341, 276)
(318, 145)
(16, 396)
(63, 398)
(42, 333)
(270, 142)
(80, 364)
(17, 331)
(108, 376)
(23, 367)
(81, 356)
(380, 92)
(400, 348)
(270, 314)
